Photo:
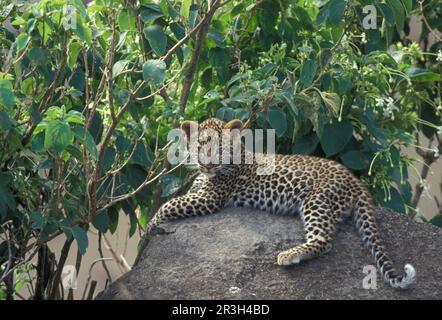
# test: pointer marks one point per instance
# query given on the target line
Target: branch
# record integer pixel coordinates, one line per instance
(421, 9)
(90, 275)
(47, 96)
(61, 263)
(335, 46)
(146, 182)
(132, 98)
(77, 270)
(207, 16)
(429, 159)
(188, 79)
(100, 251)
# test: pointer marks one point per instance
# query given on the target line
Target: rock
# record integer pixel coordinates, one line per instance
(232, 255)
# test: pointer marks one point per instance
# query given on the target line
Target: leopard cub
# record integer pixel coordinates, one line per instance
(322, 191)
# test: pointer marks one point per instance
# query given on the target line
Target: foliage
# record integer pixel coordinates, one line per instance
(85, 102)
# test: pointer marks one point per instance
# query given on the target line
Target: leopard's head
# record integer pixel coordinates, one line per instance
(210, 140)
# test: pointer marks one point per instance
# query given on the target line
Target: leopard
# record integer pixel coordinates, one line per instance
(321, 191)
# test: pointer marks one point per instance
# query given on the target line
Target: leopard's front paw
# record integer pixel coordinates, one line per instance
(288, 257)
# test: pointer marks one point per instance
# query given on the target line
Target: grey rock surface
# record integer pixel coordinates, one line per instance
(232, 255)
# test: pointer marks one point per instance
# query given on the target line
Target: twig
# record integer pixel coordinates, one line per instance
(421, 9)
(190, 75)
(100, 251)
(90, 275)
(77, 270)
(48, 94)
(132, 98)
(146, 182)
(61, 263)
(335, 46)
(121, 264)
(429, 159)
(91, 290)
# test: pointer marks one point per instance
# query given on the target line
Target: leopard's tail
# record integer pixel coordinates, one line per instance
(365, 223)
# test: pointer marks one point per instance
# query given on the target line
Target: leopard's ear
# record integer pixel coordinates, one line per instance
(185, 126)
(234, 124)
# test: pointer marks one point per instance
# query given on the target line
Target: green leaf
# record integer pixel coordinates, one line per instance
(308, 72)
(133, 224)
(80, 236)
(113, 219)
(150, 12)
(395, 202)
(335, 136)
(119, 67)
(267, 15)
(157, 39)
(84, 32)
(217, 37)
(75, 152)
(109, 158)
(129, 210)
(437, 220)
(28, 85)
(73, 51)
(6, 201)
(185, 8)
(58, 136)
(336, 11)
(143, 218)
(177, 30)
(193, 15)
(141, 155)
(38, 56)
(136, 175)
(429, 113)
(122, 144)
(53, 113)
(4, 13)
(35, 114)
(155, 71)
(5, 121)
(37, 142)
(332, 101)
(305, 145)
(422, 75)
(277, 120)
(354, 159)
(86, 138)
(74, 117)
(37, 220)
(323, 14)
(398, 13)
(225, 113)
(408, 4)
(219, 57)
(101, 221)
(7, 98)
(171, 184)
(387, 13)
(21, 41)
(126, 21)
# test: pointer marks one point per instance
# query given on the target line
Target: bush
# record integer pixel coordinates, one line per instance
(88, 94)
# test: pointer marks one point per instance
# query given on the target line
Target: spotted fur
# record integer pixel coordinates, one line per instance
(322, 191)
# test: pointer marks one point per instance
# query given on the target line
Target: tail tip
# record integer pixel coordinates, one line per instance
(410, 273)
(409, 277)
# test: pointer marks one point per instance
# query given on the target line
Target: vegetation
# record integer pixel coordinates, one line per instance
(89, 93)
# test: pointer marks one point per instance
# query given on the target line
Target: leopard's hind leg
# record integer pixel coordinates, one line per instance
(319, 225)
